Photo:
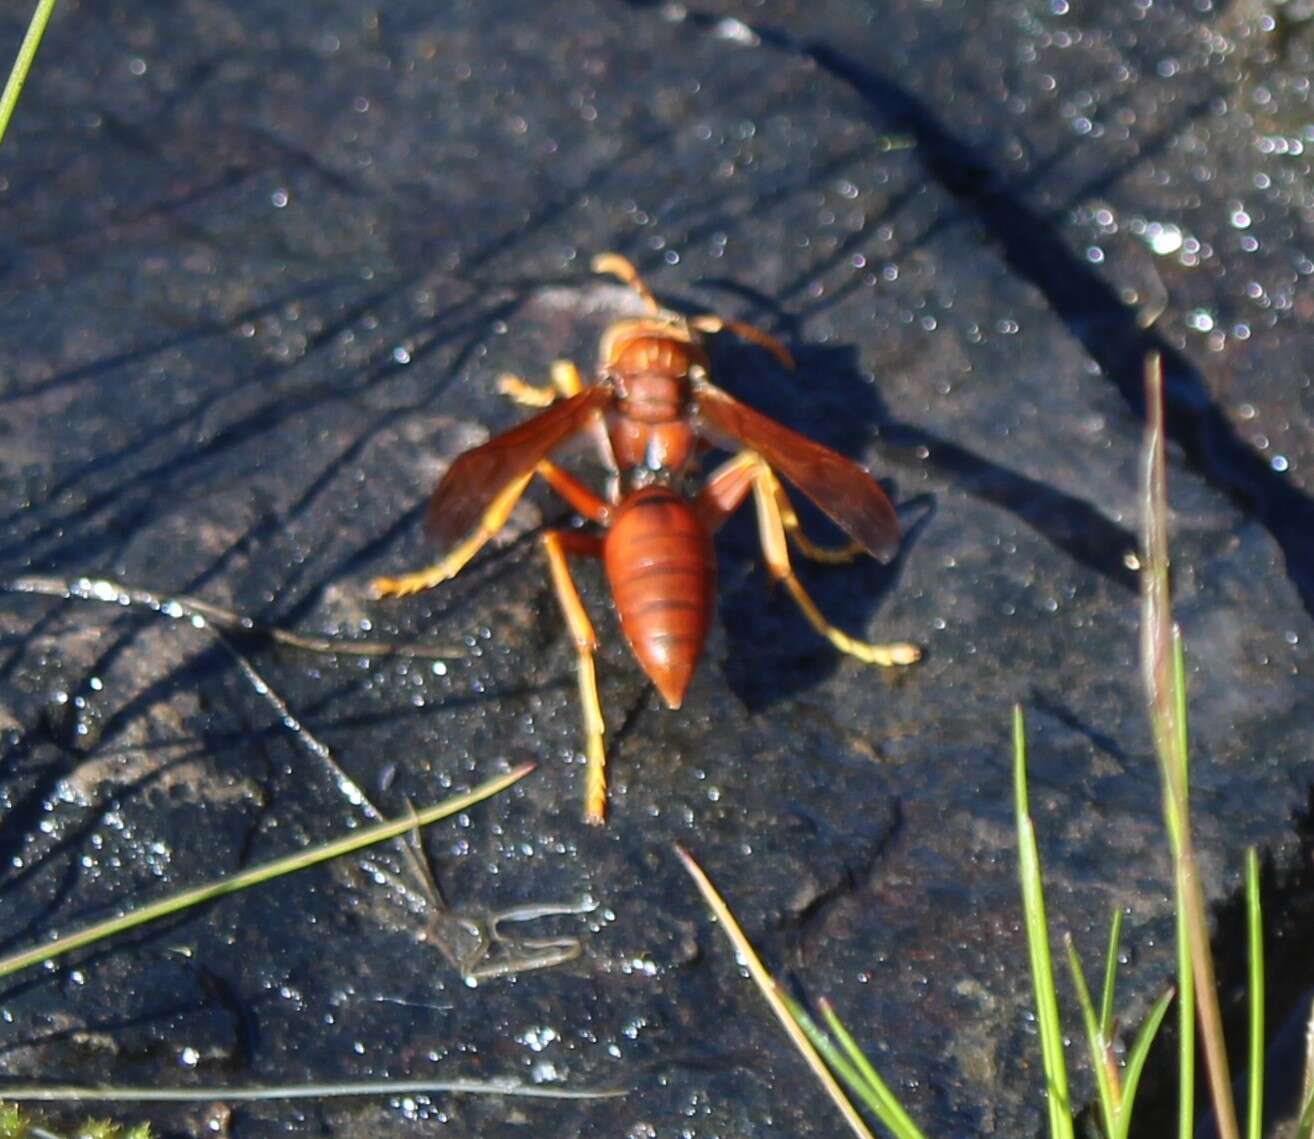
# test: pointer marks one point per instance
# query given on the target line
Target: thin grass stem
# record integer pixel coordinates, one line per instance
(92, 1093)
(22, 65)
(1166, 696)
(1185, 1024)
(1110, 975)
(1105, 1077)
(255, 876)
(768, 988)
(894, 1117)
(1255, 937)
(183, 607)
(877, 1097)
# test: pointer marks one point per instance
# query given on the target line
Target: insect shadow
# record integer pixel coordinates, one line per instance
(770, 656)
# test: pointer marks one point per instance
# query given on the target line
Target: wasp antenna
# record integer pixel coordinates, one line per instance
(710, 322)
(614, 265)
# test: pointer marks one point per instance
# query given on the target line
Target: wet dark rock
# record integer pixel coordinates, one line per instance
(262, 266)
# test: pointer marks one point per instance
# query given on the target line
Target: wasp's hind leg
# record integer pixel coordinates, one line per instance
(775, 549)
(826, 555)
(723, 493)
(556, 544)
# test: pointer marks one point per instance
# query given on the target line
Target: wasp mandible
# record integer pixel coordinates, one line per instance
(653, 408)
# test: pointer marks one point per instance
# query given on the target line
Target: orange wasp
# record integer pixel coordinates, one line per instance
(653, 409)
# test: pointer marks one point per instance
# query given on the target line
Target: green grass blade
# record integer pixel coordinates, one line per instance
(834, 1057)
(1179, 699)
(256, 875)
(874, 1094)
(1037, 930)
(1110, 975)
(894, 1117)
(1098, 1042)
(771, 992)
(1136, 1063)
(1185, 1026)
(26, 54)
(1185, 973)
(1255, 934)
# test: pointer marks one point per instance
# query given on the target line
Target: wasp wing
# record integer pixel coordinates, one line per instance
(476, 478)
(842, 489)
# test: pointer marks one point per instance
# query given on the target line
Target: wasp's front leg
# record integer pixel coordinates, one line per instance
(565, 383)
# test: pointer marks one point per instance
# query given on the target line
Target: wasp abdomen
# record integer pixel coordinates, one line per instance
(661, 568)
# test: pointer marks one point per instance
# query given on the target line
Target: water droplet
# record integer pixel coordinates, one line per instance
(1163, 239)
(104, 590)
(736, 31)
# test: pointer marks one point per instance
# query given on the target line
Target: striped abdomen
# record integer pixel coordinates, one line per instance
(660, 565)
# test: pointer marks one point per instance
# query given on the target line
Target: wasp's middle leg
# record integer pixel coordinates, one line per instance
(495, 517)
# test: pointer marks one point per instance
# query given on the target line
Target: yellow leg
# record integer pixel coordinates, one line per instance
(775, 549)
(565, 383)
(827, 555)
(493, 520)
(586, 642)
(620, 267)
(526, 394)
(565, 378)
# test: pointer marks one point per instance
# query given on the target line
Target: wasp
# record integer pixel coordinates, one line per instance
(652, 409)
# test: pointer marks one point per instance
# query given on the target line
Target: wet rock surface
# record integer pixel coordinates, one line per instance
(262, 266)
